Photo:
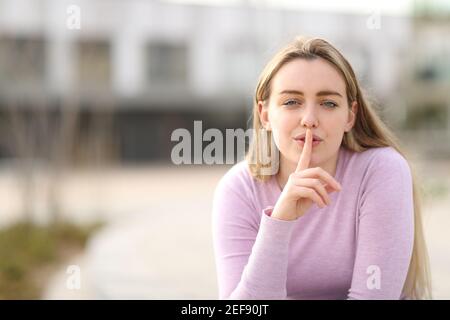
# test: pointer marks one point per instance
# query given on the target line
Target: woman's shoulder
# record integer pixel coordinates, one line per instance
(238, 177)
(381, 161)
(237, 188)
(385, 157)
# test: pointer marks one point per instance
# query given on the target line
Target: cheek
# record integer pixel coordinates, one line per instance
(333, 126)
(280, 132)
(283, 127)
(286, 122)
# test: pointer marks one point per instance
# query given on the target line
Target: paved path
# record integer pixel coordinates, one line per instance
(162, 250)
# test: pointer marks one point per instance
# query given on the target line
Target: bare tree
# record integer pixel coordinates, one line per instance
(42, 132)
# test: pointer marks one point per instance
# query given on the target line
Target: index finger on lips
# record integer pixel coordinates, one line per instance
(305, 156)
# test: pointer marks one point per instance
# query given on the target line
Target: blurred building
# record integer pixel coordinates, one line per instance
(139, 69)
(424, 98)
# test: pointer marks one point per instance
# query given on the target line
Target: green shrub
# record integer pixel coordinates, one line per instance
(26, 249)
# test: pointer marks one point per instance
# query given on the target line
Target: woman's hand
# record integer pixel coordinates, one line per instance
(305, 186)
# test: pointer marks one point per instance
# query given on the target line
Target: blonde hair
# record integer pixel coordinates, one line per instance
(369, 131)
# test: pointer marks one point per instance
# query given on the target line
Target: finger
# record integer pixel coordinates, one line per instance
(316, 185)
(322, 174)
(330, 189)
(312, 195)
(327, 180)
(305, 156)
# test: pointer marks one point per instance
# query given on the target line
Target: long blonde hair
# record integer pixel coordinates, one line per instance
(369, 131)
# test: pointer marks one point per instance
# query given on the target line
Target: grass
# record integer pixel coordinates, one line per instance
(28, 252)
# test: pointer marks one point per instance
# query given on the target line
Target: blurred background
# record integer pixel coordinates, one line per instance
(91, 204)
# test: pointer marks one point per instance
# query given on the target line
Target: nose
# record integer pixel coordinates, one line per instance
(308, 117)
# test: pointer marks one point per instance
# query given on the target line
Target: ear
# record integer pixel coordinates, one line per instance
(264, 115)
(351, 116)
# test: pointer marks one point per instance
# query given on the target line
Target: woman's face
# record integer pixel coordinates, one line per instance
(307, 94)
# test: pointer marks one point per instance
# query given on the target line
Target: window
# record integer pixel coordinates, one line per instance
(240, 65)
(166, 64)
(22, 62)
(94, 65)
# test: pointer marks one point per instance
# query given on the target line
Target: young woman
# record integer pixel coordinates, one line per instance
(339, 217)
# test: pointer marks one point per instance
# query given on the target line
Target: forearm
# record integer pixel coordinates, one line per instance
(265, 275)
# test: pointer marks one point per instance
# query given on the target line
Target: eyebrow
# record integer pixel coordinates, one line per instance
(320, 93)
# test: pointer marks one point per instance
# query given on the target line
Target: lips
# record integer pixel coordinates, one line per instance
(314, 143)
(302, 137)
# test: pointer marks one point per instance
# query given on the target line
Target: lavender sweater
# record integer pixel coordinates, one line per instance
(358, 247)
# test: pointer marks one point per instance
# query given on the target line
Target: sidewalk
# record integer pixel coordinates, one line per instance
(162, 252)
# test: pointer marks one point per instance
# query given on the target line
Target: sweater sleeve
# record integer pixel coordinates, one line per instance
(251, 254)
(385, 233)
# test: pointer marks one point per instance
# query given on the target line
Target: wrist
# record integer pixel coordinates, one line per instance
(282, 216)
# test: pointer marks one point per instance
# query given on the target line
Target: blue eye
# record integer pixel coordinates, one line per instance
(290, 103)
(330, 104)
